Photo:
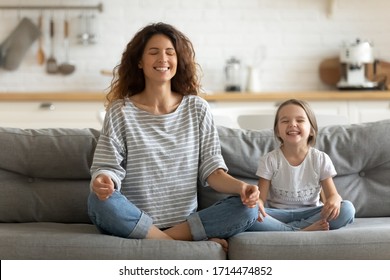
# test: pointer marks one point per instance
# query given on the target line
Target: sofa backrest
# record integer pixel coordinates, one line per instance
(44, 174)
(360, 153)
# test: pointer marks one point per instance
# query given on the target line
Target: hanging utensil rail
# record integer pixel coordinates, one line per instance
(98, 7)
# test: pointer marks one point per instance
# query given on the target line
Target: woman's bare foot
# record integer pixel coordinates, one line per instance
(222, 242)
(318, 226)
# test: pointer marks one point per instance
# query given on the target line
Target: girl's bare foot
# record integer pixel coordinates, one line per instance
(318, 226)
(222, 242)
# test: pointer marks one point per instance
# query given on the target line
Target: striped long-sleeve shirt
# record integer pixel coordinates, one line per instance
(156, 160)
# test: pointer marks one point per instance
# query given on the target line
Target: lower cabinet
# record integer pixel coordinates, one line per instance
(247, 115)
(261, 115)
(51, 114)
(363, 111)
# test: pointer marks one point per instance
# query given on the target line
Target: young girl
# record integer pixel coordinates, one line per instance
(292, 176)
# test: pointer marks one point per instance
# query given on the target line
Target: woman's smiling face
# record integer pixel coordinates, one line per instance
(159, 59)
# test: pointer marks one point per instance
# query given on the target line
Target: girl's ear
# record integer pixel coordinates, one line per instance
(277, 134)
(140, 65)
(276, 129)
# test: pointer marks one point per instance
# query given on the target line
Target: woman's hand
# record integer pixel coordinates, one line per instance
(220, 181)
(250, 195)
(103, 186)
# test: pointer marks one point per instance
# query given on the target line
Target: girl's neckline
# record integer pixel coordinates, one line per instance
(298, 163)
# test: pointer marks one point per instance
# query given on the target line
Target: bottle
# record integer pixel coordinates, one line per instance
(253, 83)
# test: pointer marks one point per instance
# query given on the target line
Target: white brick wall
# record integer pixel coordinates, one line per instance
(297, 35)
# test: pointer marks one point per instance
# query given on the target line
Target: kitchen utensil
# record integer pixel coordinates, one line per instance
(253, 83)
(51, 63)
(15, 46)
(380, 73)
(86, 35)
(66, 67)
(40, 53)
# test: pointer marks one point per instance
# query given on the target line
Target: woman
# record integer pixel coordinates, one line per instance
(158, 139)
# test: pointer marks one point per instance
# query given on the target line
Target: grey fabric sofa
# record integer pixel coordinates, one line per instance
(44, 183)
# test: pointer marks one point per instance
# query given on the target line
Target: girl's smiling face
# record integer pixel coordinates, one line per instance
(159, 59)
(293, 125)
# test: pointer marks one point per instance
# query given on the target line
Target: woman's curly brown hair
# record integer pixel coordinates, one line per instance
(128, 78)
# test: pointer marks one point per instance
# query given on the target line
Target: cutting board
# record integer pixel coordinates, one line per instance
(330, 71)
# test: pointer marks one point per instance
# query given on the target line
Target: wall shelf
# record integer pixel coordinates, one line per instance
(98, 7)
(215, 97)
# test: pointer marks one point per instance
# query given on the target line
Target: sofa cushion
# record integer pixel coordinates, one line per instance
(56, 241)
(365, 239)
(45, 174)
(241, 149)
(360, 153)
(48, 153)
(30, 199)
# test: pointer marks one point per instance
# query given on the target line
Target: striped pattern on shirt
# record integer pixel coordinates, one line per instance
(156, 160)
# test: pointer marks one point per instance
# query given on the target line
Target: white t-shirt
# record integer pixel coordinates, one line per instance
(295, 186)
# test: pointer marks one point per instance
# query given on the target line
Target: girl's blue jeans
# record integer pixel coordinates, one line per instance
(297, 219)
(118, 216)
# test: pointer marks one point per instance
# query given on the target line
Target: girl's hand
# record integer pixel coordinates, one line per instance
(103, 186)
(262, 213)
(331, 209)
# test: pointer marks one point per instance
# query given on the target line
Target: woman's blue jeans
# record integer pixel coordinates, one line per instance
(118, 216)
(297, 219)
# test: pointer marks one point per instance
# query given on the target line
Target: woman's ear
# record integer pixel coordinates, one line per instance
(140, 65)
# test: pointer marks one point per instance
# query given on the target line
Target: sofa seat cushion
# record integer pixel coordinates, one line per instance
(57, 241)
(366, 238)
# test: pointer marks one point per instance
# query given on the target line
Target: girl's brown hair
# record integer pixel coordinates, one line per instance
(129, 79)
(310, 115)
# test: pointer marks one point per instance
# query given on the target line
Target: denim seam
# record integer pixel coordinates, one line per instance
(196, 227)
(142, 228)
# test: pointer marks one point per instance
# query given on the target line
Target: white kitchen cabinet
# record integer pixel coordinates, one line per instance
(230, 113)
(260, 115)
(251, 111)
(369, 111)
(331, 112)
(55, 114)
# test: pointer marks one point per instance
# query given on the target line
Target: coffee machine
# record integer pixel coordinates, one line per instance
(356, 59)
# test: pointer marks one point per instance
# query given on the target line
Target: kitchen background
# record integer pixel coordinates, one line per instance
(285, 40)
